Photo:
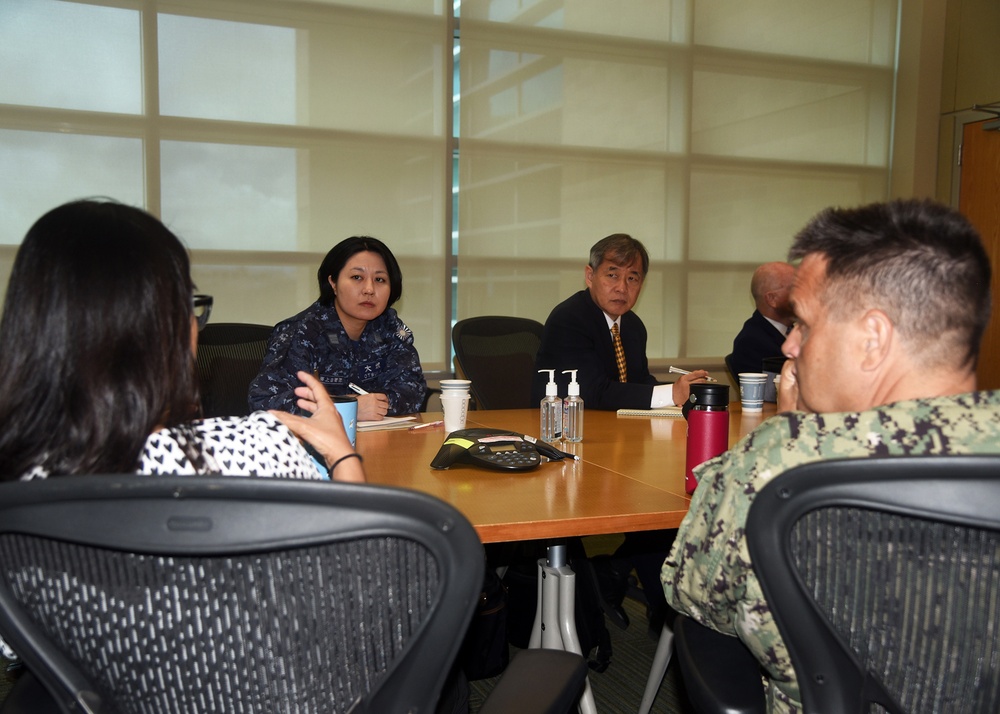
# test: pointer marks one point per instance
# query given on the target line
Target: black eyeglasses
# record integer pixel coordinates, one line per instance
(202, 308)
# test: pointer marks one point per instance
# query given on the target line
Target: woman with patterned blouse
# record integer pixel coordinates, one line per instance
(97, 370)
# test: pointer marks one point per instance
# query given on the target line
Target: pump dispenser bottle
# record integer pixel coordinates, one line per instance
(572, 410)
(551, 416)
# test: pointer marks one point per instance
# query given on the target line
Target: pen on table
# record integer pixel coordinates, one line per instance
(424, 426)
(678, 370)
(356, 388)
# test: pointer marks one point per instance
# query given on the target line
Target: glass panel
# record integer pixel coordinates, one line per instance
(254, 289)
(367, 77)
(392, 192)
(750, 215)
(550, 208)
(55, 168)
(660, 306)
(70, 56)
(230, 196)
(320, 75)
(718, 303)
(417, 7)
(641, 19)
(253, 198)
(791, 117)
(548, 98)
(846, 31)
(213, 69)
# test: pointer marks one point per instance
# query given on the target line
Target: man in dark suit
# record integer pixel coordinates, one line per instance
(579, 335)
(764, 333)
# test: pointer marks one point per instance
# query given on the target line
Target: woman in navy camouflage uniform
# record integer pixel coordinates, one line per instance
(350, 335)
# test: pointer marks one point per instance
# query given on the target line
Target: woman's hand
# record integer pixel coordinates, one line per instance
(372, 407)
(324, 429)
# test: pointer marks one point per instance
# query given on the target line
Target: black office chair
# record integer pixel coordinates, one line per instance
(883, 576)
(498, 355)
(734, 378)
(229, 357)
(225, 594)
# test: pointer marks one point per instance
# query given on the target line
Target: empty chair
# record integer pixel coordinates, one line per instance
(194, 594)
(498, 354)
(229, 357)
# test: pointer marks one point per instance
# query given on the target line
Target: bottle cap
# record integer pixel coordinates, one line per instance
(574, 386)
(704, 394)
(551, 389)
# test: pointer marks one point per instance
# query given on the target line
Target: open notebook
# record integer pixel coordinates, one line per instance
(661, 412)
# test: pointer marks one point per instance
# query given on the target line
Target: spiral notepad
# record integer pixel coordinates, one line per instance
(661, 412)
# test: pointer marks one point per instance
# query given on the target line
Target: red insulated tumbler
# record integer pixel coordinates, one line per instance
(707, 412)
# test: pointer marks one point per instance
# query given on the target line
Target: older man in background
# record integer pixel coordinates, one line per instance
(765, 330)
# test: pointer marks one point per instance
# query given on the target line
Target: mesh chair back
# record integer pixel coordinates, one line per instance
(229, 357)
(135, 594)
(884, 579)
(498, 355)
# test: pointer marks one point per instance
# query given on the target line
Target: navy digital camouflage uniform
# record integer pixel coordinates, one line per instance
(383, 360)
(708, 574)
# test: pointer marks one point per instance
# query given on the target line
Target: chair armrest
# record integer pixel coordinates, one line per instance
(538, 682)
(721, 676)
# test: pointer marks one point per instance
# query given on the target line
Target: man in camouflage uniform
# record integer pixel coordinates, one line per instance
(891, 301)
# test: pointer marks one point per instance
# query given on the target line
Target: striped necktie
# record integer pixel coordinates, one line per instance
(616, 340)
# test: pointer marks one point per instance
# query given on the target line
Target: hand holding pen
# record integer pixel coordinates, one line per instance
(371, 407)
(678, 370)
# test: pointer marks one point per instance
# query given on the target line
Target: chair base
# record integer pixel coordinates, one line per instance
(661, 659)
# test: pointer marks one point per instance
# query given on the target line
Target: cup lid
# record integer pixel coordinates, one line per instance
(710, 395)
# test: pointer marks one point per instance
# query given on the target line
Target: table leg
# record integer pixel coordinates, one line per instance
(555, 615)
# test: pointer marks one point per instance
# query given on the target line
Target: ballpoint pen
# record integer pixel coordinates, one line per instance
(678, 370)
(424, 426)
(356, 388)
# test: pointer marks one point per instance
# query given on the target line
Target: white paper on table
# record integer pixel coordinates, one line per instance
(386, 423)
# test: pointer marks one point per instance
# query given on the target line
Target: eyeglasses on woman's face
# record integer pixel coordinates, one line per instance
(202, 308)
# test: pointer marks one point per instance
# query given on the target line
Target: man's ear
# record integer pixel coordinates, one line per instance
(878, 334)
(588, 275)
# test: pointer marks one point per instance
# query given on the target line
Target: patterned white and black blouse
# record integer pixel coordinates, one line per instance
(256, 445)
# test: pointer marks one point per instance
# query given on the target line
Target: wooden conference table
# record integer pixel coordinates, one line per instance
(630, 476)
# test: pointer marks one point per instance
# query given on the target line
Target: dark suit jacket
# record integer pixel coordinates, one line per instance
(757, 340)
(576, 336)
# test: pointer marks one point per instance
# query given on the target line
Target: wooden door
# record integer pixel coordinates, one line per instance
(979, 200)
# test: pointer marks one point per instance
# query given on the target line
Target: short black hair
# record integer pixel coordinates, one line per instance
(920, 262)
(338, 256)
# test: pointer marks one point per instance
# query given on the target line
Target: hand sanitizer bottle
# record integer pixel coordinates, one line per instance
(572, 410)
(551, 417)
